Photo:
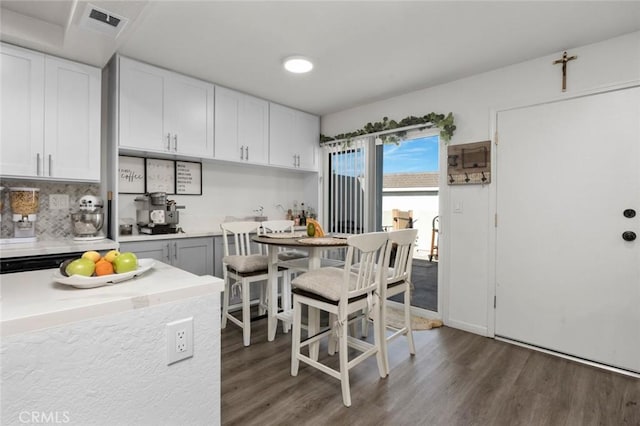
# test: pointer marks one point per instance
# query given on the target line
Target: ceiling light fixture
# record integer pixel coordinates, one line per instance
(298, 64)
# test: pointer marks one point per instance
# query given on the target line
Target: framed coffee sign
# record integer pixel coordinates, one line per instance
(131, 175)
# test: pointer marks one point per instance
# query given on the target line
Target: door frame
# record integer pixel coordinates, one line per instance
(493, 213)
(443, 189)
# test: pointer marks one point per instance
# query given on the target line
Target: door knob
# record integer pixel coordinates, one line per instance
(629, 213)
(628, 235)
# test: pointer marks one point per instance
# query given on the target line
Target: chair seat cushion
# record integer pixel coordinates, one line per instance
(315, 296)
(244, 264)
(326, 282)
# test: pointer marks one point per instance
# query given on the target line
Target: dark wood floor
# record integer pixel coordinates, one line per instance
(456, 378)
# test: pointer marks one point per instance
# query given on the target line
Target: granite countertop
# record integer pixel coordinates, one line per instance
(147, 237)
(43, 247)
(70, 245)
(32, 300)
(192, 233)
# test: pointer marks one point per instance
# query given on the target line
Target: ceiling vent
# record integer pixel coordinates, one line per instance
(101, 20)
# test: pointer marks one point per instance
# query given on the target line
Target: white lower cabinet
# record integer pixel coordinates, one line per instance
(50, 116)
(193, 255)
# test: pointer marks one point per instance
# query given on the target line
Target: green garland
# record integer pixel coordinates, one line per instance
(444, 123)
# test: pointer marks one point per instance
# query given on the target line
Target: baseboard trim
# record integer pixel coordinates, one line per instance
(464, 326)
(419, 312)
(570, 357)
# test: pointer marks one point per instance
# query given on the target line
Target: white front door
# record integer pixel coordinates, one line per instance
(566, 279)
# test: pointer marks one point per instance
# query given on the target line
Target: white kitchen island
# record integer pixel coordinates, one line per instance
(99, 356)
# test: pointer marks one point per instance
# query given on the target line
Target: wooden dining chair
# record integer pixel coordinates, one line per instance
(244, 267)
(340, 292)
(283, 226)
(397, 280)
(284, 254)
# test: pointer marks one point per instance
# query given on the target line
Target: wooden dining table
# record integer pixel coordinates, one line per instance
(314, 247)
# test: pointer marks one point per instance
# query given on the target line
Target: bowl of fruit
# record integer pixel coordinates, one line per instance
(95, 270)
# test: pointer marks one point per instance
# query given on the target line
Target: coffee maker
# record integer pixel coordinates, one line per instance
(24, 207)
(157, 215)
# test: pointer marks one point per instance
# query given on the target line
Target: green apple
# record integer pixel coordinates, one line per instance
(63, 267)
(125, 262)
(84, 267)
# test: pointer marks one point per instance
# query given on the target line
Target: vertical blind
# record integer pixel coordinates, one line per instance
(347, 186)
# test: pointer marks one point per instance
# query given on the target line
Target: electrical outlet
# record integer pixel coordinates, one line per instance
(58, 201)
(181, 344)
(179, 340)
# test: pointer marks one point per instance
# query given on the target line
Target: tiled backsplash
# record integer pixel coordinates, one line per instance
(51, 224)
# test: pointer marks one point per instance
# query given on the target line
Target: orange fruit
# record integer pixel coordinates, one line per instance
(104, 268)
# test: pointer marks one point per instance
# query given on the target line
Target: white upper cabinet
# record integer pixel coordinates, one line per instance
(22, 126)
(308, 140)
(161, 111)
(71, 120)
(50, 117)
(293, 138)
(141, 107)
(242, 127)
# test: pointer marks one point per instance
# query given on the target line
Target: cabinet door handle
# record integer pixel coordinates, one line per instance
(175, 250)
(168, 256)
(247, 155)
(168, 141)
(38, 164)
(295, 160)
(50, 165)
(175, 142)
(242, 152)
(298, 160)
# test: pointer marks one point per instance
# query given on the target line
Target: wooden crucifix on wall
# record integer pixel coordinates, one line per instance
(564, 61)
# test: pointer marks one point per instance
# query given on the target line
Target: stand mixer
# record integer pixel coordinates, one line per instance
(24, 207)
(87, 222)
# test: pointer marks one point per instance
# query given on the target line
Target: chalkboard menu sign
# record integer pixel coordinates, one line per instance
(188, 178)
(161, 175)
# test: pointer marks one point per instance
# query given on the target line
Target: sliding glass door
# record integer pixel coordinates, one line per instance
(373, 186)
(407, 196)
(349, 188)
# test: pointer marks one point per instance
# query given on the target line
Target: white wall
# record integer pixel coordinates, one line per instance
(465, 236)
(237, 190)
(424, 207)
(113, 370)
